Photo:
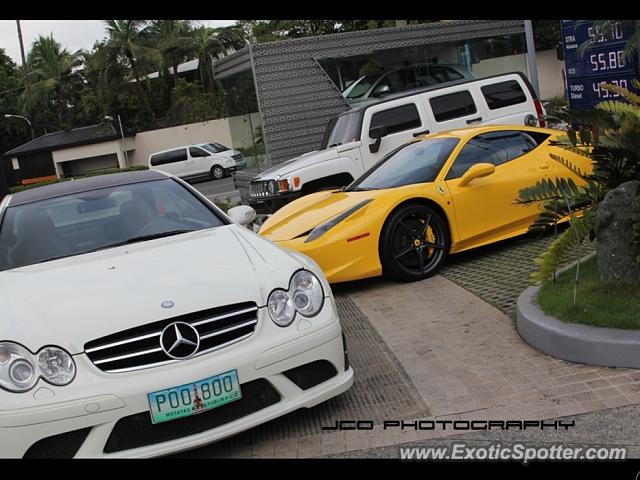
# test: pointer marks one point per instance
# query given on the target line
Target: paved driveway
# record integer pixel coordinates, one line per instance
(435, 350)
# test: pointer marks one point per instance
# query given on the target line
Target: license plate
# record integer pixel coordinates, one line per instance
(193, 398)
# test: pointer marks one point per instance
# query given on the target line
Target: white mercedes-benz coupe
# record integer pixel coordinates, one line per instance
(137, 319)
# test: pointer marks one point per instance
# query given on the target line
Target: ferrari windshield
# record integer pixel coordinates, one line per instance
(83, 222)
(417, 162)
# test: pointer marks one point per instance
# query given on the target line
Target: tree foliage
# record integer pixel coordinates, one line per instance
(13, 132)
(58, 89)
(610, 136)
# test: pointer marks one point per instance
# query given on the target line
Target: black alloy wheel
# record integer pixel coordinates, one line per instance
(414, 243)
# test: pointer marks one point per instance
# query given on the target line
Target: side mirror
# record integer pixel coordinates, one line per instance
(478, 170)
(377, 133)
(242, 215)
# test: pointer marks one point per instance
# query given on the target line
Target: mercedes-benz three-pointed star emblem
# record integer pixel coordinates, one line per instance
(179, 340)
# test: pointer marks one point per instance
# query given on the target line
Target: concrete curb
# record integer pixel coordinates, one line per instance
(609, 347)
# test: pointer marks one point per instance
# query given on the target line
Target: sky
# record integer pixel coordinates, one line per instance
(72, 34)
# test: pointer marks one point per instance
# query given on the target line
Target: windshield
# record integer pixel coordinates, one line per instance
(88, 221)
(359, 87)
(214, 147)
(417, 162)
(342, 129)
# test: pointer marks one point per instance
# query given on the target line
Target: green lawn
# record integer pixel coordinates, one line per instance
(599, 305)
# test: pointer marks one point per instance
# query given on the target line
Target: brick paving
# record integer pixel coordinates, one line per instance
(466, 356)
(499, 273)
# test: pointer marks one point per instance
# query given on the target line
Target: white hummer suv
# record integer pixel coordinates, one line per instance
(358, 138)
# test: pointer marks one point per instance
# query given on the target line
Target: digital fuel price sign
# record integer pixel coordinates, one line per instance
(603, 62)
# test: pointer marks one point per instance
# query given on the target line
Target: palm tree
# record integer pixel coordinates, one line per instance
(208, 44)
(173, 41)
(47, 77)
(171, 38)
(127, 44)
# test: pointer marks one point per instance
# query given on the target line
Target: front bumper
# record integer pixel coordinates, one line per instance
(339, 259)
(94, 404)
(267, 205)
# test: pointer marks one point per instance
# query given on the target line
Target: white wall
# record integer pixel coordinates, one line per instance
(549, 70)
(153, 141)
(87, 165)
(240, 128)
(550, 74)
(497, 65)
(85, 151)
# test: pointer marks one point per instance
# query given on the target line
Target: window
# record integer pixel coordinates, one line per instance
(418, 162)
(397, 119)
(344, 128)
(495, 147)
(214, 147)
(448, 73)
(82, 222)
(503, 94)
(453, 105)
(173, 156)
(197, 152)
(359, 87)
(393, 82)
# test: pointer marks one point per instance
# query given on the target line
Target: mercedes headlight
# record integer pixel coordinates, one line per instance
(329, 224)
(20, 369)
(281, 308)
(56, 366)
(306, 292)
(305, 296)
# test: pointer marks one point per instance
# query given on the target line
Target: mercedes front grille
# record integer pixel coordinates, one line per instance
(139, 347)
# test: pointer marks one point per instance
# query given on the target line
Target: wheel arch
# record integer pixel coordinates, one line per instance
(418, 201)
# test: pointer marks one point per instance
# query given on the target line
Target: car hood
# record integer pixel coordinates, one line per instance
(300, 216)
(71, 301)
(297, 163)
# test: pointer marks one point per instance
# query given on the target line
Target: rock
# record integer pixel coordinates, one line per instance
(614, 231)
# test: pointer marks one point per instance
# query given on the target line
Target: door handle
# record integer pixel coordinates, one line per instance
(424, 132)
(471, 120)
(543, 166)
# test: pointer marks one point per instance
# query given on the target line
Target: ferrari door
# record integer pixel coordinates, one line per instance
(485, 208)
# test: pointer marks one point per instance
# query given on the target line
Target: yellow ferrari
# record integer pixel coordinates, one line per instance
(439, 194)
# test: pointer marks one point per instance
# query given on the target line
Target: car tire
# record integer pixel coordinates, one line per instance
(217, 172)
(405, 242)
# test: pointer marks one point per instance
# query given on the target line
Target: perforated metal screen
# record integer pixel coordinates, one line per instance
(297, 98)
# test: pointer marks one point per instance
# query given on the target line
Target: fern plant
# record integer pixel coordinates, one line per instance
(610, 135)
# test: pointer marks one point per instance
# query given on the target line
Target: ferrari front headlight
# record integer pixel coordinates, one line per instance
(329, 224)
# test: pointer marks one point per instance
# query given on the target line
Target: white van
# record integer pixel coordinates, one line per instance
(192, 161)
(358, 138)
